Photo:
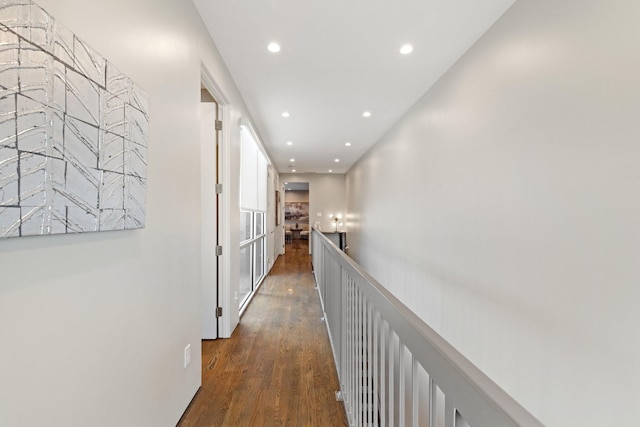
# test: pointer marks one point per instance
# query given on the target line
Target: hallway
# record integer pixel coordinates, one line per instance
(277, 369)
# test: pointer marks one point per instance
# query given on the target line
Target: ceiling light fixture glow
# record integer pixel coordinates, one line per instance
(348, 144)
(366, 114)
(293, 170)
(337, 160)
(289, 143)
(286, 114)
(330, 170)
(292, 160)
(273, 47)
(406, 49)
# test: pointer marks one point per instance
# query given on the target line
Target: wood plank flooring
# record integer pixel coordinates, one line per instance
(277, 369)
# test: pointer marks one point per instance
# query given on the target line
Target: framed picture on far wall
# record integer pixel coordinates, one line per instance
(296, 211)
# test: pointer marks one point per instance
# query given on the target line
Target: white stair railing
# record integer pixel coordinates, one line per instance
(394, 370)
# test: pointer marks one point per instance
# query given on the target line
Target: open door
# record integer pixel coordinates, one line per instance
(210, 177)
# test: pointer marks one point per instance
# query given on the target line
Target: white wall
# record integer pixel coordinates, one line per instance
(503, 208)
(93, 326)
(296, 196)
(327, 195)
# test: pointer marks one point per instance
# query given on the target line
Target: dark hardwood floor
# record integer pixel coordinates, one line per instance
(277, 369)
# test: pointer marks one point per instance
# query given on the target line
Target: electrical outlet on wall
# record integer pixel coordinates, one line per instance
(187, 355)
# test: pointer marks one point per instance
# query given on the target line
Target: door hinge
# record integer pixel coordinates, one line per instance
(218, 124)
(218, 188)
(218, 311)
(218, 250)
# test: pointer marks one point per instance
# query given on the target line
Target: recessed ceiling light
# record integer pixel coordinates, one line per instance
(289, 143)
(337, 160)
(292, 160)
(293, 170)
(286, 114)
(406, 49)
(273, 47)
(348, 144)
(366, 114)
(330, 170)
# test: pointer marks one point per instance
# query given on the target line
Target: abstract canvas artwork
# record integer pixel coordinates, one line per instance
(73, 132)
(296, 211)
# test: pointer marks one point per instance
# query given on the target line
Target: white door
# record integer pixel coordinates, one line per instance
(210, 176)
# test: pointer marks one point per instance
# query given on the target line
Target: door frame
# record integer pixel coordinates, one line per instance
(224, 177)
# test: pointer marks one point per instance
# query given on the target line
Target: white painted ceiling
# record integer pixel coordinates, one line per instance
(339, 58)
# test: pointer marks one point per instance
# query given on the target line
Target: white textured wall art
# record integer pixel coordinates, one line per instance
(73, 132)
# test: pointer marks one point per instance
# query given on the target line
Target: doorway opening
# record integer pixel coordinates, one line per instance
(296, 214)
